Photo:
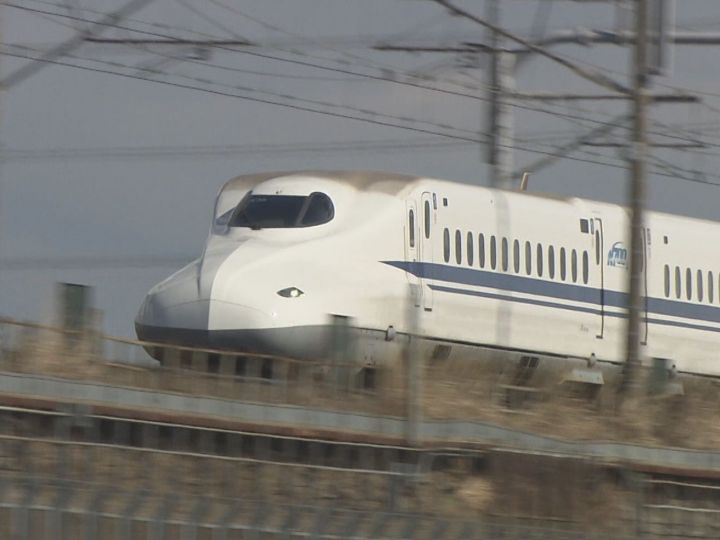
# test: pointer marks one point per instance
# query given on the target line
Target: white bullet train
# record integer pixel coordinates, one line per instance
(290, 254)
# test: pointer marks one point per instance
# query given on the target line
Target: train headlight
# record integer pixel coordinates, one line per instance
(290, 292)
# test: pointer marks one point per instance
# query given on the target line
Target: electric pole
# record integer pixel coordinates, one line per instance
(499, 116)
(636, 195)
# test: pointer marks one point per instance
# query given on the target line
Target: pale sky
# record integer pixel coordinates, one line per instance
(116, 204)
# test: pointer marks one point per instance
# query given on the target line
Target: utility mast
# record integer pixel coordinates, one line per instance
(636, 195)
(499, 116)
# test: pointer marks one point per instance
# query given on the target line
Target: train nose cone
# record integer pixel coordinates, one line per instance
(174, 311)
(184, 310)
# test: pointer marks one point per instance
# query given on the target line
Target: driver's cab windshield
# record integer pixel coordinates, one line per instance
(279, 211)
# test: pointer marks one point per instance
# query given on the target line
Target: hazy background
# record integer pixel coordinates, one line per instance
(109, 181)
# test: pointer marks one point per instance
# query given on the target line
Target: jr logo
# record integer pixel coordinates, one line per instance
(617, 256)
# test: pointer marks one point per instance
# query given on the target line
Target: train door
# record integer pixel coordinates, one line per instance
(426, 246)
(411, 250)
(644, 265)
(599, 278)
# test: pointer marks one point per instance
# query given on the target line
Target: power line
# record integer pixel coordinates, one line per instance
(380, 146)
(328, 113)
(282, 96)
(288, 105)
(597, 78)
(169, 39)
(93, 263)
(74, 42)
(241, 96)
(544, 111)
(363, 61)
(340, 70)
(152, 24)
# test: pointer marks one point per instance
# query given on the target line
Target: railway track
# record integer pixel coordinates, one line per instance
(78, 425)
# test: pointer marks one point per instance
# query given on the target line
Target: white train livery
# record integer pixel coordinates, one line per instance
(460, 266)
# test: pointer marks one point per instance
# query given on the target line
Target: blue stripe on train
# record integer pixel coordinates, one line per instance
(568, 307)
(560, 291)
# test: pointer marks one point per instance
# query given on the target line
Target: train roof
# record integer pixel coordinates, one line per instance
(371, 180)
(363, 180)
(394, 183)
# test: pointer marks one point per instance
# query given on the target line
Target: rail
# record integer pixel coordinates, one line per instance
(308, 422)
(80, 426)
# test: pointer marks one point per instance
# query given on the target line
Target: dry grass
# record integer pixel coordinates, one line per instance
(477, 493)
(493, 390)
(510, 488)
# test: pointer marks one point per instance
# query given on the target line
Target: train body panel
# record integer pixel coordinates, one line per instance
(449, 262)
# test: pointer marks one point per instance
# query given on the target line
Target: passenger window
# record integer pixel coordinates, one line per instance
(505, 254)
(458, 246)
(516, 256)
(586, 267)
(667, 281)
(427, 219)
(539, 262)
(470, 251)
(700, 285)
(711, 287)
(688, 284)
(678, 282)
(574, 267)
(563, 269)
(493, 253)
(528, 258)
(446, 245)
(411, 227)
(481, 250)
(551, 261)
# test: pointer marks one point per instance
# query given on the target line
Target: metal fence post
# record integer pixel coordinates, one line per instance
(54, 517)
(261, 515)
(413, 365)
(322, 518)
(221, 532)
(189, 530)
(352, 523)
(290, 521)
(638, 479)
(160, 519)
(91, 519)
(378, 525)
(128, 513)
(21, 513)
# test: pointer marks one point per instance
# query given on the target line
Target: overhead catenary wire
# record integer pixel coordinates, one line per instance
(28, 70)
(597, 78)
(580, 119)
(282, 104)
(234, 9)
(309, 109)
(535, 109)
(171, 38)
(394, 80)
(354, 57)
(193, 152)
(102, 262)
(245, 88)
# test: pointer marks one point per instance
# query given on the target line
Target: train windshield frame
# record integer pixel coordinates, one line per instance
(257, 211)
